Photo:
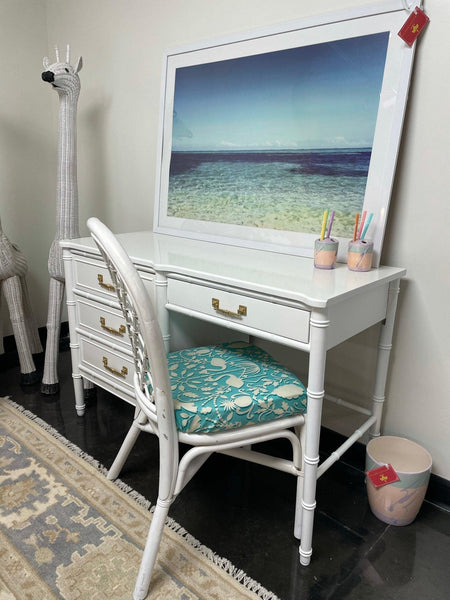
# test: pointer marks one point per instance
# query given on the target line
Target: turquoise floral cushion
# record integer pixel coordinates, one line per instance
(231, 385)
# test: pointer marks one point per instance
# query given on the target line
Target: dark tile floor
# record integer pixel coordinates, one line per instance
(244, 512)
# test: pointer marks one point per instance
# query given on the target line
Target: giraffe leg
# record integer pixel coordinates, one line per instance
(2, 348)
(50, 384)
(13, 295)
(30, 321)
(89, 389)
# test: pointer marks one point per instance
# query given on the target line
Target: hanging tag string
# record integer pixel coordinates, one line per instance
(410, 4)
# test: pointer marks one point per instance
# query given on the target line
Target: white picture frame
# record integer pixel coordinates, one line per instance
(360, 35)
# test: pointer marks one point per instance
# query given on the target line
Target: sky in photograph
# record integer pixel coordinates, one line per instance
(320, 96)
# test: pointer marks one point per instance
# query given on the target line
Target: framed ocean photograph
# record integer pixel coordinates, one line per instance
(260, 133)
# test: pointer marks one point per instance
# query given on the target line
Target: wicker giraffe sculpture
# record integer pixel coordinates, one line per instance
(64, 79)
(13, 268)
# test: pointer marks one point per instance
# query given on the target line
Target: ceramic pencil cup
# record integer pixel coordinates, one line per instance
(325, 252)
(360, 254)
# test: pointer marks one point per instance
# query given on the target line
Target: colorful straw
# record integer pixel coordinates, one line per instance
(361, 225)
(324, 223)
(356, 227)
(330, 224)
(366, 227)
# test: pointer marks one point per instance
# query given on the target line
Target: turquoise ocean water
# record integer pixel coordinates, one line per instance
(284, 190)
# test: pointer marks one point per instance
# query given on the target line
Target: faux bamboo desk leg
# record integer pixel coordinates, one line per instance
(316, 375)
(384, 351)
(162, 312)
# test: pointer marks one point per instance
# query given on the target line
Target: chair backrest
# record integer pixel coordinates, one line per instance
(155, 397)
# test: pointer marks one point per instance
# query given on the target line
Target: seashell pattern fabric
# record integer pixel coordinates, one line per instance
(231, 385)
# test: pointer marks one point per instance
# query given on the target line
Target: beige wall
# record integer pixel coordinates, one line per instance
(27, 161)
(122, 42)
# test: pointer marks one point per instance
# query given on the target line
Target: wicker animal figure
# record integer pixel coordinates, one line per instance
(13, 268)
(64, 79)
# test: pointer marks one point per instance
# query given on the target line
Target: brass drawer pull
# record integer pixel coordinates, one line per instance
(121, 331)
(241, 311)
(123, 373)
(107, 286)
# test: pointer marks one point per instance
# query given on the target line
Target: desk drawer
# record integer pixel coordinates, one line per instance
(93, 276)
(103, 320)
(255, 313)
(109, 364)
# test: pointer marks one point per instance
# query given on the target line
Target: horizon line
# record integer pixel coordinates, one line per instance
(275, 149)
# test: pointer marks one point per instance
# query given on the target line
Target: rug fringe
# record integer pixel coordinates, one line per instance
(237, 574)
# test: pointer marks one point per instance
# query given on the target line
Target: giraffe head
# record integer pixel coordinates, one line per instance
(62, 75)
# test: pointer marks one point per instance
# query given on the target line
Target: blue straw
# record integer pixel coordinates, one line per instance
(366, 226)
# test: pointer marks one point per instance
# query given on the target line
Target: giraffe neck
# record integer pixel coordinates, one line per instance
(67, 187)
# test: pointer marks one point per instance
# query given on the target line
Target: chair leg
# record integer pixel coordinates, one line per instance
(151, 549)
(125, 448)
(300, 431)
(298, 509)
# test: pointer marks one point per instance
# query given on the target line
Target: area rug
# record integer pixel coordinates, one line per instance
(67, 532)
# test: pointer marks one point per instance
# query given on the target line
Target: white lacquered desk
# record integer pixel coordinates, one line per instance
(266, 295)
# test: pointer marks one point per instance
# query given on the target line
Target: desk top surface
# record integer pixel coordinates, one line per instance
(283, 275)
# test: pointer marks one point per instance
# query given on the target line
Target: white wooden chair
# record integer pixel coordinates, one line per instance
(223, 398)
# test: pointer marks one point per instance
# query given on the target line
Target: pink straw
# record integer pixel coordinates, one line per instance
(331, 223)
(361, 225)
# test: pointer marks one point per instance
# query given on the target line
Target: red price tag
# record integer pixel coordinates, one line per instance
(413, 26)
(382, 475)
